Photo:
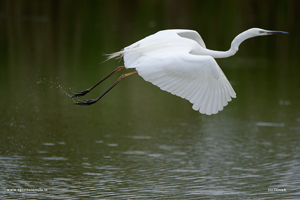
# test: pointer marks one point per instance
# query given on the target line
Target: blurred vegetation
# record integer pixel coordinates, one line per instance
(68, 33)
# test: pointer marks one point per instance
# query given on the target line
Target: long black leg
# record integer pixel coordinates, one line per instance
(88, 90)
(89, 102)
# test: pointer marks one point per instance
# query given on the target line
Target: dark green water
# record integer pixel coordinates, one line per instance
(139, 142)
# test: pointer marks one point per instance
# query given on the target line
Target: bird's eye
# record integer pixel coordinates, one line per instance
(260, 32)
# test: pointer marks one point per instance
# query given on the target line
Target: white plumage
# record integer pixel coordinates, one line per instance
(172, 60)
(178, 62)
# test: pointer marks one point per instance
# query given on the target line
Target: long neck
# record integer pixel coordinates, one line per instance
(233, 49)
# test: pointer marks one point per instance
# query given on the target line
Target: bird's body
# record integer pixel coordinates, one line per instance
(178, 62)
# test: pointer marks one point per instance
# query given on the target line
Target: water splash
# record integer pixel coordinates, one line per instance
(55, 84)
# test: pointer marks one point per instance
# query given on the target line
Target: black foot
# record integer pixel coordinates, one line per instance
(85, 102)
(79, 94)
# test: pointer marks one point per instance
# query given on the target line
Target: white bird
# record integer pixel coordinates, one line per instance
(178, 62)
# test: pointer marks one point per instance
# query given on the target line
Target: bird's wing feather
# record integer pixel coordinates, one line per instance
(161, 41)
(193, 35)
(196, 78)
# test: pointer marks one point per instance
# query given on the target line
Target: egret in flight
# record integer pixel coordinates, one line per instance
(177, 61)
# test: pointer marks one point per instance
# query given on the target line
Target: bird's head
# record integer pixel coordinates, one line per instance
(262, 32)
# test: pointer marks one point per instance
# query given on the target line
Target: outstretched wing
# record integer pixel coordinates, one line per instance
(193, 35)
(160, 43)
(197, 78)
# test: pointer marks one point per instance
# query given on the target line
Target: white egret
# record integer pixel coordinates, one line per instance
(178, 62)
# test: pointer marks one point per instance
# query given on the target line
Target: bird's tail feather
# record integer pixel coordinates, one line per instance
(116, 55)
